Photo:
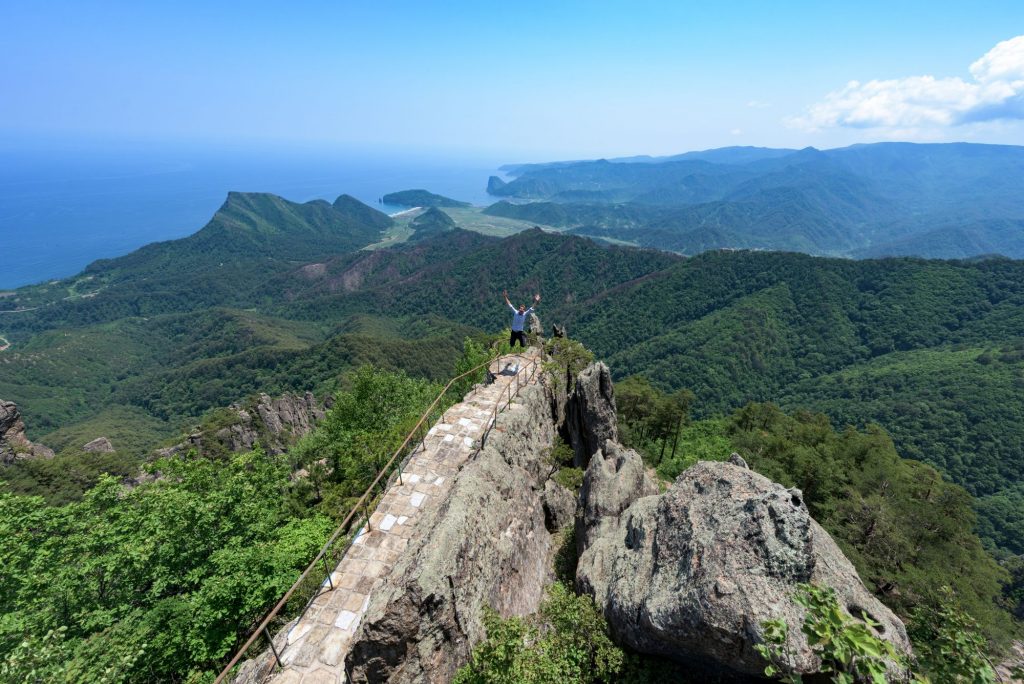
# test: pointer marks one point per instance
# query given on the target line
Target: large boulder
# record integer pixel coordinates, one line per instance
(691, 574)
(100, 445)
(591, 419)
(14, 445)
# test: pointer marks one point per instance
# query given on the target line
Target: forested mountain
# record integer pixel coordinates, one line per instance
(927, 349)
(935, 200)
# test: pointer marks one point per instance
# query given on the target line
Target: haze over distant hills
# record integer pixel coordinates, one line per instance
(952, 200)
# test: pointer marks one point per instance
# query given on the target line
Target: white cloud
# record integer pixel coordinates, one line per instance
(919, 103)
(737, 131)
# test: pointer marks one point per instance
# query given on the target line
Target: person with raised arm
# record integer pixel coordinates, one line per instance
(519, 319)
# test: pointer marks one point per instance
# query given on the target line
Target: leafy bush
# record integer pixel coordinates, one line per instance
(567, 358)
(848, 648)
(566, 642)
(948, 646)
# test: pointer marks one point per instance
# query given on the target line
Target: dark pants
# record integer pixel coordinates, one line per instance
(517, 335)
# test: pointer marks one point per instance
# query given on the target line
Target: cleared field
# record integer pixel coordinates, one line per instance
(473, 218)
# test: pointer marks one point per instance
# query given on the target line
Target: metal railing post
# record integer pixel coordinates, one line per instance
(330, 581)
(273, 648)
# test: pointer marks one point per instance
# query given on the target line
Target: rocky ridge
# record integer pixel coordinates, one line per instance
(489, 544)
(688, 574)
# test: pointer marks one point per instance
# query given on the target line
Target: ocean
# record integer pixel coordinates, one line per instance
(61, 210)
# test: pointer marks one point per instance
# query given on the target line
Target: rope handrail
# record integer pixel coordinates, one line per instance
(360, 504)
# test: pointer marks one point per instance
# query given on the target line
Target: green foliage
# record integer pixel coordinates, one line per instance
(367, 423)
(948, 647)
(570, 478)
(567, 641)
(906, 530)
(849, 649)
(177, 567)
(657, 424)
(567, 358)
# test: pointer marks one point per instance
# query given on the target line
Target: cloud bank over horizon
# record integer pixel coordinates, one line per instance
(923, 106)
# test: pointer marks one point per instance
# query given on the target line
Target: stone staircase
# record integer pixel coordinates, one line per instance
(313, 648)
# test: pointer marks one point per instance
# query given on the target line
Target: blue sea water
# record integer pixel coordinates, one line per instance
(62, 209)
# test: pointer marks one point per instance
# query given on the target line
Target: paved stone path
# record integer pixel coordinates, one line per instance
(317, 644)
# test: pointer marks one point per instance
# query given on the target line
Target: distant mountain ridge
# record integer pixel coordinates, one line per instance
(865, 200)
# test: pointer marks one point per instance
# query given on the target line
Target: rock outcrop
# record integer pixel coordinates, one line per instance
(1013, 662)
(100, 445)
(615, 478)
(14, 445)
(275, 423)
(690, 574)
(591, 417)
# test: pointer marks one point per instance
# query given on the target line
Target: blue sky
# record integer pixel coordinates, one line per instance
(521, 80)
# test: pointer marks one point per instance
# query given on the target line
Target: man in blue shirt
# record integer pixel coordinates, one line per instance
(519, 319)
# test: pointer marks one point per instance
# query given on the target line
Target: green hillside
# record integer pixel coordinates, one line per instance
(927, 349)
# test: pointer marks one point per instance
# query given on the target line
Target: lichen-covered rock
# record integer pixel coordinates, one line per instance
(591, 418)
(100, 445)
(615, 478)
(690, 574)
(14, 445)
(485, 545)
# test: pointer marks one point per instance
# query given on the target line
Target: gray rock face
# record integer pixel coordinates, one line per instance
(275, 423)
(690, 574)
(591, 419)
(615, 478)
(14, 445)
(559, 506)
(485, 545)
(100, 445)
(738, 460)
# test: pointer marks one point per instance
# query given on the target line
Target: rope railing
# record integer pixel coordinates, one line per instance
(332, 551)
